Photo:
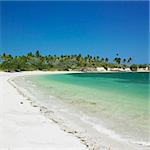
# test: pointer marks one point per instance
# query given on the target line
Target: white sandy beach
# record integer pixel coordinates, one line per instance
(23, 127)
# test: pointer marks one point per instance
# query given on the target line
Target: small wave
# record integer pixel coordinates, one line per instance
(52, 97)
(33, 85)
(112, 134)
(28, 81)
(102, 129)
(147, 144)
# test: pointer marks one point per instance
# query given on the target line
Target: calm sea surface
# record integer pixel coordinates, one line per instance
(117, 101)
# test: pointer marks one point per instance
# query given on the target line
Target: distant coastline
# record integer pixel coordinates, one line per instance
(37, 61)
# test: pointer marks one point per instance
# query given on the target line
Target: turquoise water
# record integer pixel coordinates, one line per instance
(117, 101)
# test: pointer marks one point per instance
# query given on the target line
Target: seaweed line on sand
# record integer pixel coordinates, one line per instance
(87, 141)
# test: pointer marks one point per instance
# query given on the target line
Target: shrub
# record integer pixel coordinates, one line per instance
(134, 67)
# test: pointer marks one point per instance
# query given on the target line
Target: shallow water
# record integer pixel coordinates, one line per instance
(115, 103)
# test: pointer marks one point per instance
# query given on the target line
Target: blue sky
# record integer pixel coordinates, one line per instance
(96, 28)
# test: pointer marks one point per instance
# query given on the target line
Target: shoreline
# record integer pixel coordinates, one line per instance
(40, 72)
(48, 113)
(32, 129)
(51, 116)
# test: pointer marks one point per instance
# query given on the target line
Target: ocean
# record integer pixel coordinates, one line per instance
(116, 104)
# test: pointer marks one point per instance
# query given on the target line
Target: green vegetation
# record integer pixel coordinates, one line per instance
(37, 61)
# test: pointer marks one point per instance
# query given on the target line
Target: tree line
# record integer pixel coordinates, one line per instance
(37, 61)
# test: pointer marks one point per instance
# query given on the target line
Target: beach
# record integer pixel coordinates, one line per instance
(23, 127)
(28, 124)
(74, 75)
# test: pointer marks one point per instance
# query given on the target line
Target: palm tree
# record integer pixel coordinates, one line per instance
(29, 57)
(6, 62)
(106, 59)
(30, 60)
(118, 60)
(129, 59)
(97, 57)
(37, 54)
(88, 56)
(124, 60)
(5, 57)
(102, 59)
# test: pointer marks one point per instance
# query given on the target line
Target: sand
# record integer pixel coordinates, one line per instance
(23, 127)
